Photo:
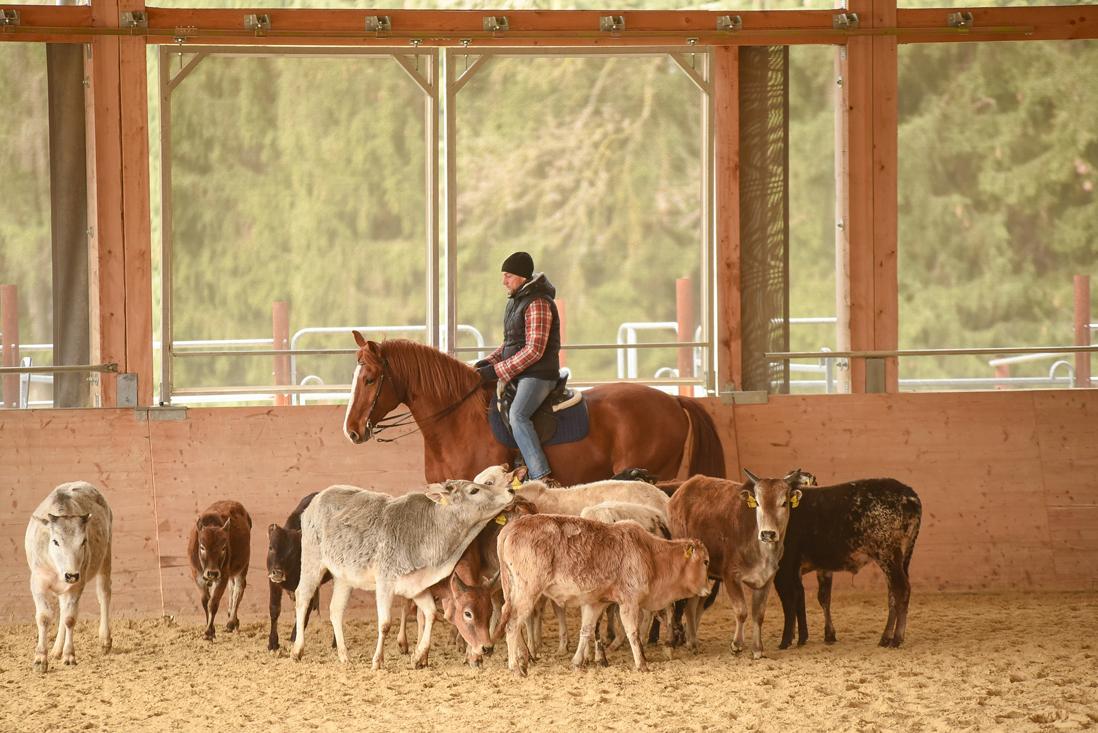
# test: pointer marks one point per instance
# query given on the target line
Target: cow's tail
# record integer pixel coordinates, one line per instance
(707, 454)
(915, 522)
(713, 593)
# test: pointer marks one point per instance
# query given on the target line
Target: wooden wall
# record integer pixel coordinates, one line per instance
(1009, 481)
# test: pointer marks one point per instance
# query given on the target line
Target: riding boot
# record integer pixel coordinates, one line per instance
(551, 482)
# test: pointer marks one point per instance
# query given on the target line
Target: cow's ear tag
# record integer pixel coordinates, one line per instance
(795, 499)
(501, 520)
(444, 500)
(688, 552)
(515, 483)
(752, 502)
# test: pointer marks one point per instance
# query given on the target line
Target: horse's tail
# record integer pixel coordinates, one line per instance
(707, 456)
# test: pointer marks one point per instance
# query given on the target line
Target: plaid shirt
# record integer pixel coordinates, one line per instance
(539, 318)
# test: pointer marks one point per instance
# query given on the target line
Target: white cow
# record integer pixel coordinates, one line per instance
(574, 499)
(68, 543)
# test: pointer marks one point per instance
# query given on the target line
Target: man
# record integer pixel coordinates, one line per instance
(529, 356)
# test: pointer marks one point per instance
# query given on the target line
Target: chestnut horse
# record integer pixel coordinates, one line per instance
(631, 424)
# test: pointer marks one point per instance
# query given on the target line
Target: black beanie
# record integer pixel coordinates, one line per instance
(519, 263)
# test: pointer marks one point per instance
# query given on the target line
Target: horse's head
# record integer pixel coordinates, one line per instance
(373, 392)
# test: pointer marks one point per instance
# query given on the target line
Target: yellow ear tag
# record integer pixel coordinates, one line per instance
(688, 552)
(444, 501)
(794, 501)
(515, 483)
(752, 502)
(501, 520)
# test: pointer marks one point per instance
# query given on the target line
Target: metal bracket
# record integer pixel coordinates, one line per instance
(612, 23)
(962, 19)
(729, 23)
(126, 395)
(496, 24)
(181, 32)
(170, 412)
(845, 21)
(9, 17)
(379, 23)
(133, 19)
(257, 22)
(753, 397)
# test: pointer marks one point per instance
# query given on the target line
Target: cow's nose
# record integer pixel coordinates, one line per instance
(768, 535)
(213, 574)
(72, 577)
(488, 649)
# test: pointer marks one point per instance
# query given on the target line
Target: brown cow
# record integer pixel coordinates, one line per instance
(468, 597)
(575, 561)
(743, 527)
(219, 549)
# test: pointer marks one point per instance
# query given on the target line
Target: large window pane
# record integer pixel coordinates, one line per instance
(594, 166)
(296, 180)
(812, 214)
(43, 273)
(998, 151)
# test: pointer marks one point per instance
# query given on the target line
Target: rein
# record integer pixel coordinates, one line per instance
(405, 418)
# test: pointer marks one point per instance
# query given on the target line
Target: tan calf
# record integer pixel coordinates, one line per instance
(575, 561)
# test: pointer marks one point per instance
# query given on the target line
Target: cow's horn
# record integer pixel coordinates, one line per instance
(752, 477)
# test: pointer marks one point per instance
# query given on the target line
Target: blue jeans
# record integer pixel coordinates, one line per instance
(530, 392)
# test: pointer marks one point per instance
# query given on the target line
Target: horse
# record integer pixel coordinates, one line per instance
(630, 424)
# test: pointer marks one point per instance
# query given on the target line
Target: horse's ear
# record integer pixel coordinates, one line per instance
(374, 348)
(358, 339)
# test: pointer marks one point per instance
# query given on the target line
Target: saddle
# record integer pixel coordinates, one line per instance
(545, 418)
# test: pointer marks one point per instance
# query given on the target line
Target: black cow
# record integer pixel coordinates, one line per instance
(284, 568)
(839, 529)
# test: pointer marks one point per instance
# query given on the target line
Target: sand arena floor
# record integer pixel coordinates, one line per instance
(971, 662)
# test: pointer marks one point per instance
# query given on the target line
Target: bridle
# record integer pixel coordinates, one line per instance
(374, 430)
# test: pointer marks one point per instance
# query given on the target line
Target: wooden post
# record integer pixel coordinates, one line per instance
(9, 323)
(1082, 329)
(684, 312)
(562, 313)
(280, 318)
(726, 174)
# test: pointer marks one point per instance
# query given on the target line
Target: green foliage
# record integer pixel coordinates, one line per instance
(304, 180)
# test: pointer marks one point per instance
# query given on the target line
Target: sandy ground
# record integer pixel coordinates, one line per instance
(971, 662)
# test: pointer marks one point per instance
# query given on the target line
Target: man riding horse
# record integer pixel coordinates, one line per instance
(529, 355)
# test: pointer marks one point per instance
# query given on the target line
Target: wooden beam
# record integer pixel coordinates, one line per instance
(137, 221)
(108, 291)
(857, 187)
(886, 298)
(726, 71)
(1043, 23)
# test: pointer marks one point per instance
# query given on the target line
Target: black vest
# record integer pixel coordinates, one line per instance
(514, 328)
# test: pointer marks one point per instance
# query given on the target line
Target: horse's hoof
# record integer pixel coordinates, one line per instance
(209, 635)
(233, 625)
(784, 645)
(106, 645)
(757, 655)
(830, 639)
(421, 663)
(802, 642)
(41, 664)
(896, 642)
(376, 665)
(885, 641)
(404, 648)
(272, 646)
(642, 668)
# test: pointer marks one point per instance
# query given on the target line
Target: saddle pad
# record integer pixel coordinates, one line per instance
(572, 425)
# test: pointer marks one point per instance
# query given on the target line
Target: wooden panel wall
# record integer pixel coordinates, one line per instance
(1009, 481)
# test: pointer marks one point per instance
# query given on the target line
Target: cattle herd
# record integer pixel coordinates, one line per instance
(490, 555)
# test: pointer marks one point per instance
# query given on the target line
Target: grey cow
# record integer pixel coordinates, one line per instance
(68, 543)
(400, 546)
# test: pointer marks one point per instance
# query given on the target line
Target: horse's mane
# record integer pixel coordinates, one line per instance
(428, 372)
